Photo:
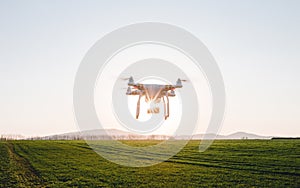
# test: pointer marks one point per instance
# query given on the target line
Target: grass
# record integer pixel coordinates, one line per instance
(227, 163)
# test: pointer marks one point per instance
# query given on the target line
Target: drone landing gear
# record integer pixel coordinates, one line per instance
(166, 107)
(138, 107)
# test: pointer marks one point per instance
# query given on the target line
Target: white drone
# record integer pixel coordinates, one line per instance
(153, 93)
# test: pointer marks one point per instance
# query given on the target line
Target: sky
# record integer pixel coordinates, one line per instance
(255, 43)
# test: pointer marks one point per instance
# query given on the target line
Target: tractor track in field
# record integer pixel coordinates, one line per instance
(22, 171)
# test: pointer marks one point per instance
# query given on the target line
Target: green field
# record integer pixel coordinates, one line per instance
(227, 163)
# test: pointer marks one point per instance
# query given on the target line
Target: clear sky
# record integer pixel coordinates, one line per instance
(255, 42)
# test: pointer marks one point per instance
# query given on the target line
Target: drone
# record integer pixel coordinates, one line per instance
(154, 93)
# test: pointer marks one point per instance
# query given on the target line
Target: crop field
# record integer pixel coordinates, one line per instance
(227, 163)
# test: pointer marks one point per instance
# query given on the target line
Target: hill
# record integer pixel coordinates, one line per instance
(109, 134)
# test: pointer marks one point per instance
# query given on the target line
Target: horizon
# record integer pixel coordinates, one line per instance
(128, 131)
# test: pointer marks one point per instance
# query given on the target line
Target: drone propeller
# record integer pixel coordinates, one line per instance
(184, 80)
(125, 78)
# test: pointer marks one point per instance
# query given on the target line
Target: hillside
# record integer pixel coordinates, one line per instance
(109, 134)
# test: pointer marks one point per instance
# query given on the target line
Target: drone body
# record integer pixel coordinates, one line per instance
(154, 93)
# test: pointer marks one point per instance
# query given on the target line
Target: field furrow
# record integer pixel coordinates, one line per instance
(21, 170)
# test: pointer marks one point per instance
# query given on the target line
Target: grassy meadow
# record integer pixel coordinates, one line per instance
(227, 163)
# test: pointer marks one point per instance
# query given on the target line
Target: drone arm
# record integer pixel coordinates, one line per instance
(135, 92)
